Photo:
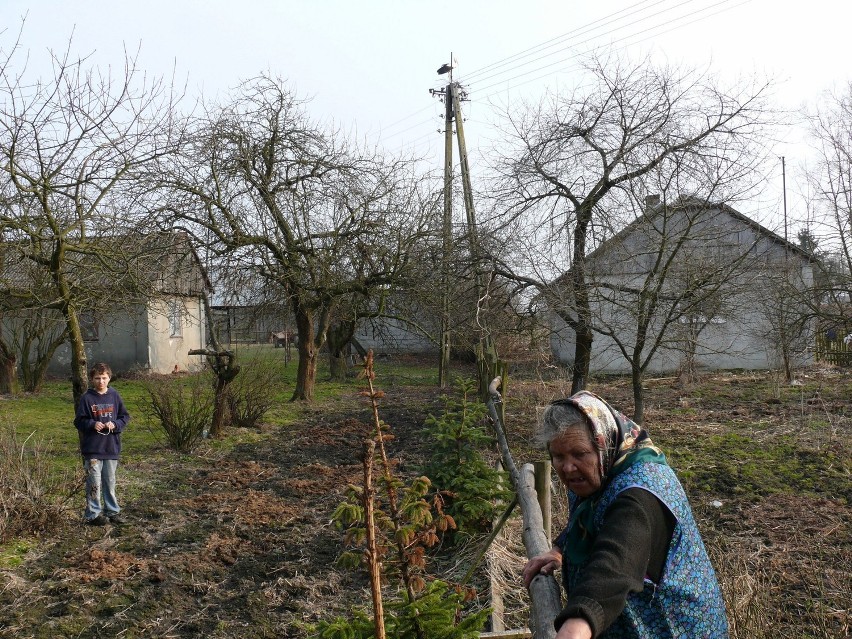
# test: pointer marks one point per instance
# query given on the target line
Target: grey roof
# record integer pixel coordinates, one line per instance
(691, 202)
(165, 262)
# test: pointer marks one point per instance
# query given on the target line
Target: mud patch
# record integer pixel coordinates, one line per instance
(247, 507)
(98, 564)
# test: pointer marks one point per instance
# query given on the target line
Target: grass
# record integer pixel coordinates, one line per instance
(745, 464)
(49, 415)
(13, 553)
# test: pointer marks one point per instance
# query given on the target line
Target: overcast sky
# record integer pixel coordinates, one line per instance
(368, 64)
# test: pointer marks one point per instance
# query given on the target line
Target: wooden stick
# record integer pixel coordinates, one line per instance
(544, 590)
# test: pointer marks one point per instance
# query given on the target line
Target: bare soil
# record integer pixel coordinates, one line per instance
(241, 544)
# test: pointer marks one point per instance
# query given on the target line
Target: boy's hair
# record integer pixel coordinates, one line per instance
(100, 369)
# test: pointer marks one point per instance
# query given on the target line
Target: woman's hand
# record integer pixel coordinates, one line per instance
(575, 628)
(544, 563)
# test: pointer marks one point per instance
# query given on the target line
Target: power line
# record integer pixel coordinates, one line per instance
(655, 32)
(557, 40)
(615, 30)
(678, 22)
(538, 47)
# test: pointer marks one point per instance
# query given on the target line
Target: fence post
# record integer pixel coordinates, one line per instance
(497, 608)
(542, 490)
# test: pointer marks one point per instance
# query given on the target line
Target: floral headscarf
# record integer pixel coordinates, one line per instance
(622, 437)
(625, 444)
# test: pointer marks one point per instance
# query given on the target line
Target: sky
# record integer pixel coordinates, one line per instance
(368, 65)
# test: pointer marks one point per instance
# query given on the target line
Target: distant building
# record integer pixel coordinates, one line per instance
(734, 326)
(152, 332)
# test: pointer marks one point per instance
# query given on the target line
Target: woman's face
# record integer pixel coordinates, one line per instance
(576, 462)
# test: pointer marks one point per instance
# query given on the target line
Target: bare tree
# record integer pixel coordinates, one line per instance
(578, 156)
(784, 304)
(830, 186)
(662, 288)
(315, 217)
(69, 146)
(31, 329)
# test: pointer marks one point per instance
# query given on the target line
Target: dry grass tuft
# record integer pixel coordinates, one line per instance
(33, 497)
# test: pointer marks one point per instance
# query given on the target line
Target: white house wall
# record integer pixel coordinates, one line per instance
(166, 351)
(742, 340)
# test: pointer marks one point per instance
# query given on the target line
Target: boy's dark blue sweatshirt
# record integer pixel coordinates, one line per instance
(94, 408)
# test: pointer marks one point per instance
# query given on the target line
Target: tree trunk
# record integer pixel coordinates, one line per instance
(784, 339)
(306, 374)
(79, 365)
(220, 405)
(338, 339)
(37, 349)
(638, 397)
(688, 372)
(582, 358)
(8, 369)
(583, 331)
(338, 367)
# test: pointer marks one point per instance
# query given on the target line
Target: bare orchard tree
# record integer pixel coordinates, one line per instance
(68, 147)
(830, 185)
(784, 305)
(666, 279)
(574, 155)
(317, 218)
(30, 329)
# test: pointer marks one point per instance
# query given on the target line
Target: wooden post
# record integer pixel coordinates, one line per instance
(542, 489)
(497, 609)
(545, 597)
(447, 232)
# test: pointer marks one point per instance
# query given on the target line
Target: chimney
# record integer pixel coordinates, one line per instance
(652, 201)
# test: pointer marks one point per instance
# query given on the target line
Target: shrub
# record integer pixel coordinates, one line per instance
(437, 610)
(252, 393)
(472, 488)
(183, 409)
(32, 497)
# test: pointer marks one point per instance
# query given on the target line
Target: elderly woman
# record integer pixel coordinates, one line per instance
(632, 560)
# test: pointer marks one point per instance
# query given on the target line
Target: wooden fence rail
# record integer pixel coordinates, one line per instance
(834, 351)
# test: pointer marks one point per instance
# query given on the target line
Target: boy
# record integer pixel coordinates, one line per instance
(101, 416)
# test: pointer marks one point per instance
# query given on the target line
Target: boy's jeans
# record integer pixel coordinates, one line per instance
(100, 477)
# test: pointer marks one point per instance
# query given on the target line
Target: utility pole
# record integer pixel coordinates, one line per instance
(468, 190)
(784, 190)
(487, 362)
(447, 230)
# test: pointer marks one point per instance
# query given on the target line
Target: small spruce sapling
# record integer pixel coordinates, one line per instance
(393, 524)
(472, 488)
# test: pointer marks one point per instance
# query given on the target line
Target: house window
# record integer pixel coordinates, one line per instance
(175, 319)
(89, 328)
(701, 319)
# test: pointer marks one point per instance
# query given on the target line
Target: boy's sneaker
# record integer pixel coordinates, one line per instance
(117, 519)
(100, 520)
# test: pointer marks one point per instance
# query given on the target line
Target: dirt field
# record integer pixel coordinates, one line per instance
(240, 544)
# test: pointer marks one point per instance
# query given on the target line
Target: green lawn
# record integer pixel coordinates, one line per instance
(49, 415)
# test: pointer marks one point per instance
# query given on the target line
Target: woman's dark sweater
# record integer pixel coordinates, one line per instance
(632, 543)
